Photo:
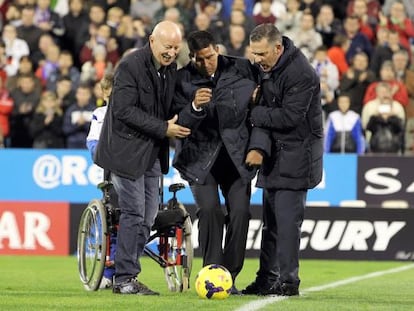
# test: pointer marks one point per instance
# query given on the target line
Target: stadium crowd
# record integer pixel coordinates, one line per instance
(53, 53)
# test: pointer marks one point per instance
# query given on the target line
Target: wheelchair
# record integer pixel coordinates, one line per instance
(171, 233)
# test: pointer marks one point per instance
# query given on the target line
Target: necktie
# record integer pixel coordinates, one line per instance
(161, 73)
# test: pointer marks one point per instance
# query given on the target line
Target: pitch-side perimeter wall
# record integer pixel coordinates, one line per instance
(43, 192)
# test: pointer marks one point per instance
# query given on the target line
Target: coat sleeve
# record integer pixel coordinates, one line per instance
(260, 140)
(127, 107)
(293, 109)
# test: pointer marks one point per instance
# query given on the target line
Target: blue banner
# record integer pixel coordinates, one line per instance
(70, 176)
(339, 181)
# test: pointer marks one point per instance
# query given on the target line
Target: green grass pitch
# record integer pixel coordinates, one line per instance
(52, 283)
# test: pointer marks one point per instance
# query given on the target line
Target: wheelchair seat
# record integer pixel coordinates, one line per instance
(168, 218)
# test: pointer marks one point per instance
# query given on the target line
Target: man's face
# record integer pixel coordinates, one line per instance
(165, 48)
(206, 60)
(400, 62)
(266, 54)
(360, 62)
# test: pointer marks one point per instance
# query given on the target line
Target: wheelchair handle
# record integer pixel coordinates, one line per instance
(176, 187)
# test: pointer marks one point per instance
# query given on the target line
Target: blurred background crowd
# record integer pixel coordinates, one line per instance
(53, 53)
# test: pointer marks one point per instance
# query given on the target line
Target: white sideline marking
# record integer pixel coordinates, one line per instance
(259, 304)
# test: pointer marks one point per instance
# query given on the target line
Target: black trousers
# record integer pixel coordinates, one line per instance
(213, 219)
(283, 212)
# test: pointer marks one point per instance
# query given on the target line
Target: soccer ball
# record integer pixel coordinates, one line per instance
(213, 282)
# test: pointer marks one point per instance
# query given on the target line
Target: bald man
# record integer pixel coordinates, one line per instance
(133, 145)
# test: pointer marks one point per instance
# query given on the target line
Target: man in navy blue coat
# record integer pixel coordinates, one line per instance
(215, 92)
(287, 141)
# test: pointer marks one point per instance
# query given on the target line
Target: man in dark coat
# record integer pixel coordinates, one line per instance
(133, 145)
(215, 92)
(287, 141)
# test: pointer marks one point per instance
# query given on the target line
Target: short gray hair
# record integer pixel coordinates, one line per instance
(266, 31)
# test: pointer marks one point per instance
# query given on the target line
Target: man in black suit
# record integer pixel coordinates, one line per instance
(134, 146)
(215, 91)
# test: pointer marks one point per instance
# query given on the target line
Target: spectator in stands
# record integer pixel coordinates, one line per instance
(61, 7)
(95, 69)
(73, 21)
(213, 10)
(387, 131)
(343, 129)
(265, 14)
(382, 103)
(408, 5)
(64, 92)
(173, 15)
(84, 32)
(49, 64)
(202, 22)
(327, 25)
(277, 7)
(114, 18)
(337, 53)
(339, 8)
(239, 17)
(145, 10)
(291, 20)
(358, 41)
(48, 21)
(373, 7)
(13, 15)
(383, 97)
(356, 81)
(228, 5)
(306, 38)
(202, 5)
(3, 61)
(405, 74)
(77, 118)
(100, 36)
(25, 100)
(25, 68)
(367, 23)
(328, 76)
(64, 67)
(398, 21)
(15, 48)
(400, 61)
(167, 4)
(6, 108)
(398, 89)
(39, 56)
(46, 124)
(107, 5)
(131, 33)
(28, 31)
(310, 6)
(237, 41)
(388, 43)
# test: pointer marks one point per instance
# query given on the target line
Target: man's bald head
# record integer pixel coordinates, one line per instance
(165, 42)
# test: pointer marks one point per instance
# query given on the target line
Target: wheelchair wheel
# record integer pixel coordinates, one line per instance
(181, 253)
(92, 244)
